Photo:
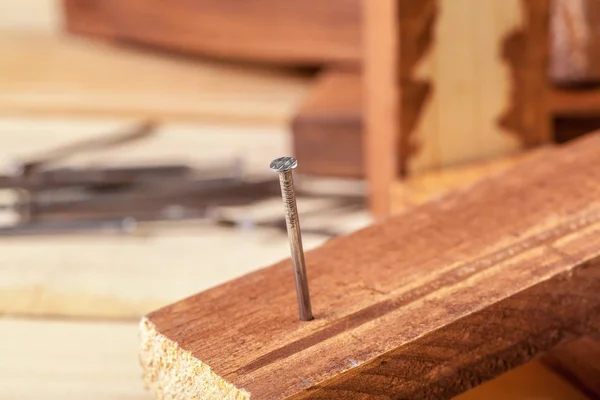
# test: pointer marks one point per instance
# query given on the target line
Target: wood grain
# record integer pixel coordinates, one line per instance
(327, 129)
(307, 32)
(424, 305)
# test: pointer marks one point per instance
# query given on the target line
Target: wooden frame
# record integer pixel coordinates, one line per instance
(449, 82)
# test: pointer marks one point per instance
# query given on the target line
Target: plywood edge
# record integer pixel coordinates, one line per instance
(170, 372)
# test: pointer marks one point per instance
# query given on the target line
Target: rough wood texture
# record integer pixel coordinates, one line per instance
(327, 129)
(424, 305)
(574, 41)
(305, 32)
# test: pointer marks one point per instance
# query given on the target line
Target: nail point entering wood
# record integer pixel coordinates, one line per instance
(284, 166)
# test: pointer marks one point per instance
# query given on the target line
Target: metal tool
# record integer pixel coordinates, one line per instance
(284, 166)
(17, 168)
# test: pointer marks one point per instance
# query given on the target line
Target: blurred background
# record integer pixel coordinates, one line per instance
(136, 136)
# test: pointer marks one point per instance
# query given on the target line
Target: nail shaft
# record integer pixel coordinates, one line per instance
(284, 167)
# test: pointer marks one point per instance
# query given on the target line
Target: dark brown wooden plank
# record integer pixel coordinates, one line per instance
(424, 305)
(304, 32)
(327, 130)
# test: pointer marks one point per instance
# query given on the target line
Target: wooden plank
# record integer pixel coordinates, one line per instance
(425, 305)
(382, 100)
(78, 77)
(327, 129)
(307, 32)
(48, 359)
(573, 360)
(574, 41)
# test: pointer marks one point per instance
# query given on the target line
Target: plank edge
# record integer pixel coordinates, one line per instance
(170, 372)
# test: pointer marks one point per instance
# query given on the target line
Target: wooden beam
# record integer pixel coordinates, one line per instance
(382, 100)
(425, 305)
(327, 130)
(306, 32)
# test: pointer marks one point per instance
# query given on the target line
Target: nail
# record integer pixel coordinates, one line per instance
(284, 167)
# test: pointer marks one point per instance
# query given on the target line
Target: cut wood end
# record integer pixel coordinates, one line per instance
(173, 373)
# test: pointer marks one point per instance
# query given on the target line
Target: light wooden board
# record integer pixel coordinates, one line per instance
(44, 73)
(65, 360)
(471, 84)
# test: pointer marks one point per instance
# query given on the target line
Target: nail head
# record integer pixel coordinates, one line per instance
(283, 164)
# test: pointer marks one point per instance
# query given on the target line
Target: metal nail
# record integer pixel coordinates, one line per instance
(284, 167)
